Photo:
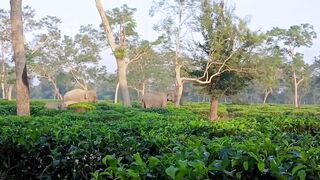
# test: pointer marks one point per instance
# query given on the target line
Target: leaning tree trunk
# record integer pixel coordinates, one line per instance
(57, 94)
(116, 94)
(123, 84)
(214, 108)
(266, 95)
(19, 55)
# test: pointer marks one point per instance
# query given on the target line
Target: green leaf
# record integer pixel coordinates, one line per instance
(238, 175)
(234, 162)
(254, 156)
(302, 174)
(261, 166)
(132, 173)
(274, 166)
(246, 165)
(183, 169)
(153, 161)
(171, 171)
(138, 160)
(297, 168)
(107, 157)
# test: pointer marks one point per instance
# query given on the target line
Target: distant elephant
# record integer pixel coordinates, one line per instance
(54, 105)
(155, 100)
(79, 95)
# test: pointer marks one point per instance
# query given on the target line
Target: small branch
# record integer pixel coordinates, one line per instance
(37, 48)
(138, 55)
(300, 81)
(77, 81)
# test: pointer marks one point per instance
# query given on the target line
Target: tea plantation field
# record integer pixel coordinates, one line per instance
(111, 142)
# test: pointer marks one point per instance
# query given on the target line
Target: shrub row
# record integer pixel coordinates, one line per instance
(131, 143)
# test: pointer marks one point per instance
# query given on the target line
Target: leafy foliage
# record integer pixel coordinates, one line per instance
(111, 142)
(82, 107)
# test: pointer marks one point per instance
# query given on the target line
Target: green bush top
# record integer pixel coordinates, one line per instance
(110, 142)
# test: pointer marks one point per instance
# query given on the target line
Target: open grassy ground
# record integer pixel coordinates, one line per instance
(108, 142)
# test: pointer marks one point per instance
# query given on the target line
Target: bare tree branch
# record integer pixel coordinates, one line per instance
(37, 48)
(300, 81)
(139, 55)
(106, 25)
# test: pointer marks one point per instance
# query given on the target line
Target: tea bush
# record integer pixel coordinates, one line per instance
(82, 107)
(112, 142)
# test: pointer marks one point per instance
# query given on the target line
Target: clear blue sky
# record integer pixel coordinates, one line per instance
(264, 14)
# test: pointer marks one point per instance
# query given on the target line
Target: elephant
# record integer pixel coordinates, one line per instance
(155, 100)
(79, 95)
(54, 105)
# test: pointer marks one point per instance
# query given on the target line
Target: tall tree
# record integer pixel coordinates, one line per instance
(150, 74)
(230, 45)
(29, 24)
(175, 25)
(22, 84)
(290, 40)
(77, 57)
(269, 69)
(119, 27)
(42, 59)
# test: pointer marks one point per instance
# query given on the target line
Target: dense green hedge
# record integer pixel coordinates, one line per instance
(132, 143)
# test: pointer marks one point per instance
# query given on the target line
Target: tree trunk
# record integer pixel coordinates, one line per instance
(116, 94)
(179, 82)
(122, 66)
(9, 92)
(178, 95)
(296, 101)
(3, 72)
(214, 108)
(57, 94)
(19, 55)
(123, 84)
(3, 90)
(143, 89)
(179, 87)
(266, 95)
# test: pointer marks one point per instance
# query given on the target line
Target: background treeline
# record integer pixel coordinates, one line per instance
(261, 66)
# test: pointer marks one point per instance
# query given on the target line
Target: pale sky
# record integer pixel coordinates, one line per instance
(264, 14)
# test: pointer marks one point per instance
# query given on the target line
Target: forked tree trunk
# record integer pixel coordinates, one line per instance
(296, 86)
(214, 109)
(57, 94)
(19, 55)
(266, 95)
(123, 84)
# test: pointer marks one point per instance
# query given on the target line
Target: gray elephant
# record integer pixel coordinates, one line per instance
(79, 95)
(155, 100)
(54, 105)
